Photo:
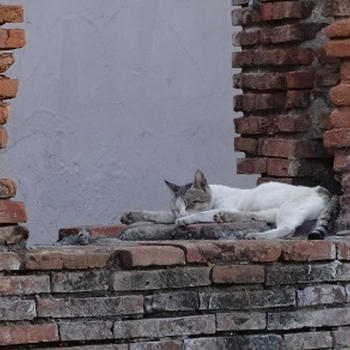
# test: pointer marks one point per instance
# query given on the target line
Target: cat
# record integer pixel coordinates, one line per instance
(282, 205)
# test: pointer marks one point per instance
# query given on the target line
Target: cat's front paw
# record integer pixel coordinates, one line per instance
(181, 222)
(131, 217)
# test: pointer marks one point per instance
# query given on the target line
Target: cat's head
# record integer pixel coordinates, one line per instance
(191, 198)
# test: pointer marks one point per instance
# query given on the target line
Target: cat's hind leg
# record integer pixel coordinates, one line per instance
(268, 216)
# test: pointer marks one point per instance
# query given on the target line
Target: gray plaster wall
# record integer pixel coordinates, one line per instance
(115, 96)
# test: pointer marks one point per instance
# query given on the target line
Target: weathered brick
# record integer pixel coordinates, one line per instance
(97, 231)
(28, 333)
(343, 272)
(8, 188)
(309, 318)
(341, 160)
(3, 137)
(246, 37)
(253, 125)
(4, 112)
(152, 256)
(340, 95)
(336, 8)
(240, 321)
(324, 78)
(6, 61)
(338, 29)
(24, 285)
(291, 148)
(11, 14)
(11, 39)
(300, 80)
(8, 87)
(57, 259)
(9, 261)
(305, 273)
(259, 102)
(251, 166)
(86, 330)
(12, 212)
(279, 166)
(337, 138)
(321, 294)
(92, 347)
(253, 251)
(260, 81)
(345, 71)
(272, 57)
(238, 274)
(245, 144)
(298, 98)
(341, 339)
(161, 327)
(308, 251)
(292, 123)
(68, 282)
(13, 234)
(244, 342)
(308, 340)
(161, 279)
(343, 250)
(174, 301)
(340, 118)
(16, 310)
(157, 345)
(90, 307)
(247, 299)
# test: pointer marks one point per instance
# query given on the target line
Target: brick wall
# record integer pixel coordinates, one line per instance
(178, 295)
(287, 72)
(11, 212)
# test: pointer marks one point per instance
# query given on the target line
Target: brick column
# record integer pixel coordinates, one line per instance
(337, 138)
(285, 79)
(11, 212)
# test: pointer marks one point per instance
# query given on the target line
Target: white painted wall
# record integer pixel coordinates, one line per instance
(115, 96)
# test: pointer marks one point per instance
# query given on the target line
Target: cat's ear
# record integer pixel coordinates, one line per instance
(173, 188)
(200, 181)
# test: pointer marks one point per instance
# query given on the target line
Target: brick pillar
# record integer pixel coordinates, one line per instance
(11, 212)
(285, 79)
(337, 138)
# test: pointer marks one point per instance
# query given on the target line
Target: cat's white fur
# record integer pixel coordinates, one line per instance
(286, 206)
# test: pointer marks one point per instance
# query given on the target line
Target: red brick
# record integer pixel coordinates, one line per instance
(290, 148)
(300, 80)
(244, 144)
(252, 251)
(4, 112)
(246, 38)
(253, 125)
(251, 166)
(98, 231)
(24, 285)
(11, 38)
(339, 29)
(341, 160)
(290, 123)
(28, 333)
(298, 98)
(12, 212)
(9, 261)
(345, 71)
(8, 87)
(337, 8)
(282, 10)
(340, 118)
(11, 14)
(343, 250)
(238, 274)
(340, 95)
(259, 102)
(151, 256)
(278, 167)
(6, 61)
(337, 138)
(260, 81)
(57, 259)
(8, 188)
(308, 251)
(273, 57)
(338, 48)
(3, 137)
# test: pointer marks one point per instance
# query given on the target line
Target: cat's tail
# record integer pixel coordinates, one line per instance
(326, 220)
